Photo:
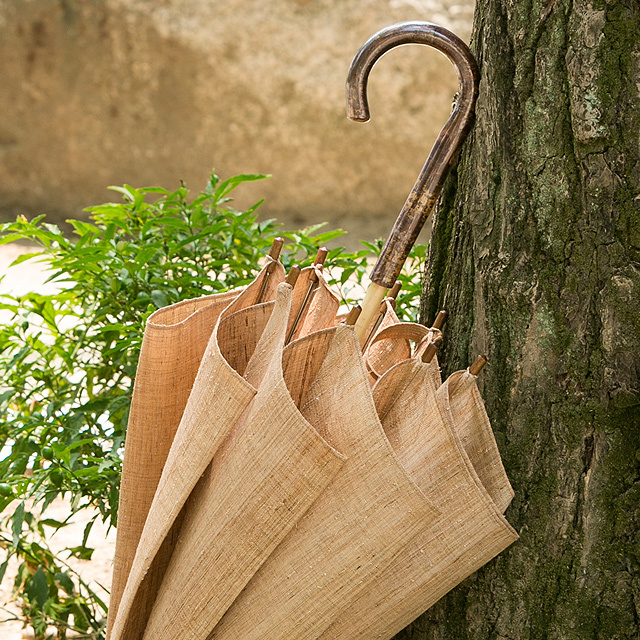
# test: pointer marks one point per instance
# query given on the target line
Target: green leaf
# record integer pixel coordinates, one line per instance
(329, 235)
(159, 298)
(126, 191)
(26, 256)
(145, 255)
(65, 582)
(160, 190)
(87, 531)
(81, 552)
(13, 237)
(17, 521)
(231, 183)
(253, 208)
(55, 524)
(49, 315)
(82, 228)
(3, 568)
(37, 588)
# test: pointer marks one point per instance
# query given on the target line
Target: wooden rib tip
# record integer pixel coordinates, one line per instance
(321, 256)
(395, 290)
(293, 274)
(441, 318)
(353, 315)
(429, 352)
(478, 365)
(276, 247)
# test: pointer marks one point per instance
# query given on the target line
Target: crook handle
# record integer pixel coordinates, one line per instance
(427, 188)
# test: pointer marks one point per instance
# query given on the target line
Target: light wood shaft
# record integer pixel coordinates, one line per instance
(370, 306)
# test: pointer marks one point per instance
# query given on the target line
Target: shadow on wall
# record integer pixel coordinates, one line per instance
(151, 93)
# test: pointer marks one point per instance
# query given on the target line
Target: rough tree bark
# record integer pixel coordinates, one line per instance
(536, 256)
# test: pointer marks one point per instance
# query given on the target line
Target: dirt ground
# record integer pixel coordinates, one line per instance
(30, 277)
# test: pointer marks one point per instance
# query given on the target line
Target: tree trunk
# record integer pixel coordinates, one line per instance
(535, 254)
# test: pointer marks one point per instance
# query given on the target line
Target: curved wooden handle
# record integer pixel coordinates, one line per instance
(446, 147)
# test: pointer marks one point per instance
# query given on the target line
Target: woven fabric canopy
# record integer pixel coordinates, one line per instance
(270, 469)
(319, 498)
(455, 462)
(291, 476)
(170, 422)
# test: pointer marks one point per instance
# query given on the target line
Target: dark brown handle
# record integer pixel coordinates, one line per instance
(446, 147)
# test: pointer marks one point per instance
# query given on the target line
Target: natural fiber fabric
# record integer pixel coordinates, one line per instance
(364, 518)
(216, 400)
(270, 469)
(473, 428)
(302, 362)
(391, 344)
(315, 300)
(383, 353)
(471, 530)
(174, 340)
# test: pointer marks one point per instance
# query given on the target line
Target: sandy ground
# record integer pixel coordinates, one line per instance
(29, 276)
(96, 572)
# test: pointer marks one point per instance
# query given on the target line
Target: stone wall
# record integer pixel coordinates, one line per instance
(153, 92)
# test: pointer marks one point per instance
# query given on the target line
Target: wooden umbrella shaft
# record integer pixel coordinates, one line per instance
(443, 154)
(445, 150)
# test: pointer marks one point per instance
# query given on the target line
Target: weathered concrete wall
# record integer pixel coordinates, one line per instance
(147, 92)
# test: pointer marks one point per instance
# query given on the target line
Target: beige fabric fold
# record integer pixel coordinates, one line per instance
(363, 519)
(174, 340)
(163, 461)
(473, 428)
(391, 343)
(268, 472)
(418, 419)
(279, 497)
(382, 353)
(321, 306)
(302, 361)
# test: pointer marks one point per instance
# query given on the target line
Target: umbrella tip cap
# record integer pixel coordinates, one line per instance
(353, 315)
(321, 256)
(441, 318)
(276, 247)
(429, 352)
(478, 365)
(292, 276)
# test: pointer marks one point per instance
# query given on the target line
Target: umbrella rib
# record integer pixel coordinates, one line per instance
(320, 258)
(274, 254)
